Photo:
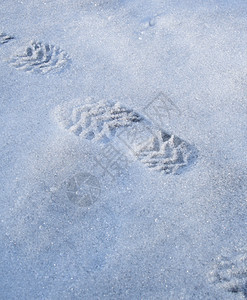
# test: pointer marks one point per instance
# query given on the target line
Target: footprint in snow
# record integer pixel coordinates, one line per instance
(230, 273)
(40, 58)
(104, 120)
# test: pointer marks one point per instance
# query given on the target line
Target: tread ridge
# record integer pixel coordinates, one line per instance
(4, 38)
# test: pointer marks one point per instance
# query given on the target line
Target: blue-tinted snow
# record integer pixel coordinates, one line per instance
(148, 236)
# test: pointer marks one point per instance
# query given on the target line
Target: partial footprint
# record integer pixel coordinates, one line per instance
(166, 153)
(97, 121)
(40, 58)
(104, 120)
(230, 273)
(4, 38)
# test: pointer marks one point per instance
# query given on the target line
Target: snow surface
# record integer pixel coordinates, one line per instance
(142, 234)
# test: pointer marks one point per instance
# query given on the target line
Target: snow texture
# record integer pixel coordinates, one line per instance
(83, 189)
